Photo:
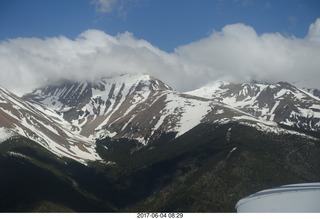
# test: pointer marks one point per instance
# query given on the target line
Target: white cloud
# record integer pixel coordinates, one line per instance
(104, 6)
(120, 7)
(314, 31)
(236, 53)
(30, 62)
(239, 54)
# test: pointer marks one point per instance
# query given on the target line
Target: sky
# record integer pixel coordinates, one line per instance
(45, 41)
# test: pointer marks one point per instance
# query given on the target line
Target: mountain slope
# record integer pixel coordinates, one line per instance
(156, 149)
(91, 106)
(207, 169)
(212, 166)
(282, 102)
(142, 108)
(35, 180)
(315, 92)
(18, 117)
(137, 107)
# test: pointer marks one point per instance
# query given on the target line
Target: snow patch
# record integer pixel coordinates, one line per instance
(5, 134)
(15, 154)
(281, 93)
(233, 149)
(220, 111)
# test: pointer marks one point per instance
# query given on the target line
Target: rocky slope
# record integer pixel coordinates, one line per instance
(147, 147)
(281, 102)
(18, 117)
(137, 107)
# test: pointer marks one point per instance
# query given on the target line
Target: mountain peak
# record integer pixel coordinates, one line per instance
(282, 102)
(90, 106)
(142, 108)
(71, 94)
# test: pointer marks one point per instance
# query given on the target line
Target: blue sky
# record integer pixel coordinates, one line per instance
(164, 23)
(200, 41)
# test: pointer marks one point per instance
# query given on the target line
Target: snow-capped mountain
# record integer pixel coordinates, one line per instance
(68, 118)
(18, 117)
(152, 145)
(281, 102)
(135, 106)
(96, 108)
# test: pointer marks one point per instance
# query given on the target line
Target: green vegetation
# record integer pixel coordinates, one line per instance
(35, 180)
(205, 170)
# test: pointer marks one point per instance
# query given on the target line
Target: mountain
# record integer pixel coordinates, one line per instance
(282, 102)
(147, 112)
(207, 169)
(136, 106)
(148, 148)
(96, 108)
(19, 117)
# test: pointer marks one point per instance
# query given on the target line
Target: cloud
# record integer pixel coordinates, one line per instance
(30, 62)
(314, 31)
(236, 53)
(104, 6)
(121, 8)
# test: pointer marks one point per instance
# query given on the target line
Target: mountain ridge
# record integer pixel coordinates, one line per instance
(142, 108)
(149, 147)
(21, 118)
(281, 102)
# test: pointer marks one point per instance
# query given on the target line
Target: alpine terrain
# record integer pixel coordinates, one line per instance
(131, 143)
